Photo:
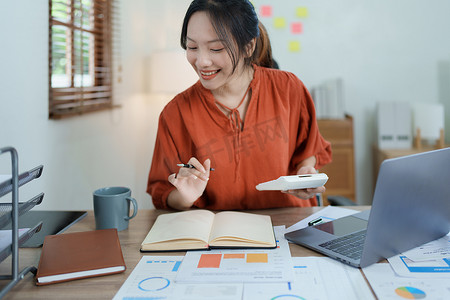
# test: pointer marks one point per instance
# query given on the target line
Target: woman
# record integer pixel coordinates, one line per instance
(249, 123)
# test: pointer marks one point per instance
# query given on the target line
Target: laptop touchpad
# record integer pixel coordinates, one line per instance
(343, 226)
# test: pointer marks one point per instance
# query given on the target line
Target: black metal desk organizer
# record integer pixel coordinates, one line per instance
(9, 214)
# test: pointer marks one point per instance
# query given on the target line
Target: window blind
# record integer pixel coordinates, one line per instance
(84, 56)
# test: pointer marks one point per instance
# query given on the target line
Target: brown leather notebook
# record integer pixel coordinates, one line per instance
(79, 255)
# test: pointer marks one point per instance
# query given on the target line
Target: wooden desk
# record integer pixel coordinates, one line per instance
(106, 287)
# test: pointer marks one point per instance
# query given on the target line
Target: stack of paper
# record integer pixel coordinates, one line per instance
(245, 274)
(431, 260)
(422, 272)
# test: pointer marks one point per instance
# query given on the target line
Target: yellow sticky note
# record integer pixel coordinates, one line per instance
(301, 12)
(279, 22)
(294, 46)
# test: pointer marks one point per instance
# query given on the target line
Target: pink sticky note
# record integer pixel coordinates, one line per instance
(266, 11)
(297, 27)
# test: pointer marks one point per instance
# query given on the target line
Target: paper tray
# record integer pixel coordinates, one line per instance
(6, 250)
(6, 208)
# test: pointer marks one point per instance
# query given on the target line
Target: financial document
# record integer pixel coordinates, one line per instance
(315, 278)
(431, 260)
(387, 285)
(243, 274)
(254, 265)
(153, 278)
(437, 249)
(435, 268)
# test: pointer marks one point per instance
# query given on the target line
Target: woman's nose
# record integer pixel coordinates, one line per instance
(203, 59)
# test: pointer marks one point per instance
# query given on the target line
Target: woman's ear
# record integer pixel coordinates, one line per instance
(250, 48)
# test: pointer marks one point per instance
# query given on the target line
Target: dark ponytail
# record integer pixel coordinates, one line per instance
(263, 53)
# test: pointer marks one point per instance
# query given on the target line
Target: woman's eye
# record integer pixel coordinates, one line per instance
(217, 50)
(192, 48)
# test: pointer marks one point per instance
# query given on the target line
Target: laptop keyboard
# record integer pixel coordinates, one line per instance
(349, 245)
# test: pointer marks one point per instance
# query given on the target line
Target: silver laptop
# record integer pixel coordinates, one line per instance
(411, 206)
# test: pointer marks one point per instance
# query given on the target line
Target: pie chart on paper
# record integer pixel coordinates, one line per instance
(408, 292)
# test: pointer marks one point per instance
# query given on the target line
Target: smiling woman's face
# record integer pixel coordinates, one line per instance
(207, 54)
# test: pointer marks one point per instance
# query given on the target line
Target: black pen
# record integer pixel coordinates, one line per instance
(315, 222)
(190, 166)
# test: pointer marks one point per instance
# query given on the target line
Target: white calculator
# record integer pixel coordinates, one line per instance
(294, 182)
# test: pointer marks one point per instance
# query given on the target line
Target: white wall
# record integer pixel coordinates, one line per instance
(387, 50)
(83, 153)
(384, 50)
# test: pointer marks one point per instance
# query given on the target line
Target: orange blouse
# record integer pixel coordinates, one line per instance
(279, 132)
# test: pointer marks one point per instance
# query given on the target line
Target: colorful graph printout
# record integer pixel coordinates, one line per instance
(153, 278)
(226, 266)
(408, 292)
(387, 285)
(214, 260)
(315, 278)
(255, 265)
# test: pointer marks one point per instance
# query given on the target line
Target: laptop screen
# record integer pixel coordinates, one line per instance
(343, 226)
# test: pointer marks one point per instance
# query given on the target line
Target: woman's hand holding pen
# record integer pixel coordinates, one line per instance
(190, 183)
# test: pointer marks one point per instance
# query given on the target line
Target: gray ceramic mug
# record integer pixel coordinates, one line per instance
(112, 207)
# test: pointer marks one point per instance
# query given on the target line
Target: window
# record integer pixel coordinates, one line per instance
(82, 55)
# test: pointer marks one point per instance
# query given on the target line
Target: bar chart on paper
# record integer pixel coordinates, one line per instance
(232, 260)
(232, 266)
